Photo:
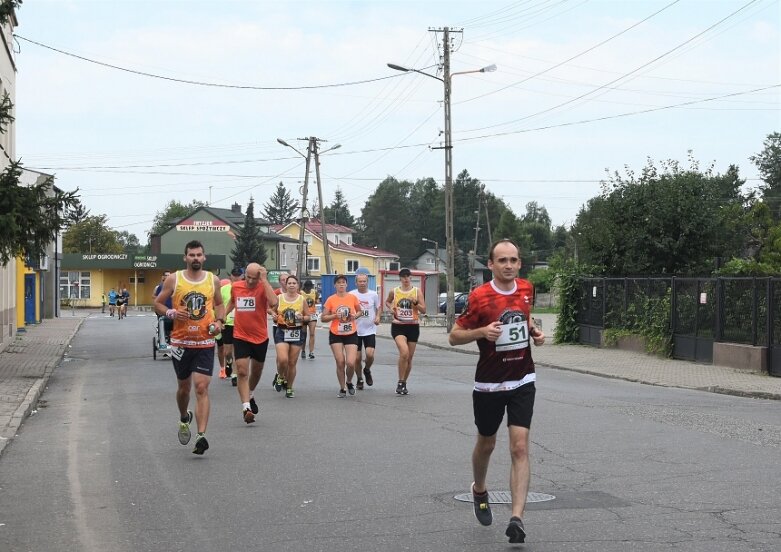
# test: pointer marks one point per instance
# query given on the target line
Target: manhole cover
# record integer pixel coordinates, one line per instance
(504, 497)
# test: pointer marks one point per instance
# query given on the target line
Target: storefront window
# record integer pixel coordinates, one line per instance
(75, 285)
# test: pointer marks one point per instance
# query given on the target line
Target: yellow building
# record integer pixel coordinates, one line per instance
(346, 256)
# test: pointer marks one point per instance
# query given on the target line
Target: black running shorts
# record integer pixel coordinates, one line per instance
(351, 339)
(189, 361)
(367, 341)
(410, 331)
(489, 408)
(245, 349)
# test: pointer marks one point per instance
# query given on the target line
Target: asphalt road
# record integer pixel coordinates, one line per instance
(632, 467)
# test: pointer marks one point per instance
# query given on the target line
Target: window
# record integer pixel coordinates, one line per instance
(284, 259)
(349, 240)
(141, 279)
(352, 266)
(313, 264)
(75, 285)
(430, 260)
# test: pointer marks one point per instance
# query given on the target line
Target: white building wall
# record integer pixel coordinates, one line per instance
(7, 152)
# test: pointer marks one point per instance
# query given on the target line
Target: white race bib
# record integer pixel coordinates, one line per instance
(292, 334)
(404, 314)
(514, 336)
(345, 327)
(245, 304)
(314, 317)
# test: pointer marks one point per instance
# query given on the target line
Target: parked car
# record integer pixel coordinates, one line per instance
(460, 303)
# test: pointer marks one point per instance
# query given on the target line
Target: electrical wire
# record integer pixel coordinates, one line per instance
(579, 54)
(201, 83)
(624, 76)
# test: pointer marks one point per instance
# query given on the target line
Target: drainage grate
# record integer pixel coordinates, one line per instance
(504, 497)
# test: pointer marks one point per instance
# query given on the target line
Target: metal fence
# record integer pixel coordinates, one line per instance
(697, 311)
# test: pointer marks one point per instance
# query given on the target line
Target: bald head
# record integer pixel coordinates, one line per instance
(252, 274)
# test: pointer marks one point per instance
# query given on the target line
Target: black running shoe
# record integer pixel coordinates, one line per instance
(515, 530)
(351, 389)
(342, 393)
(311, 356)
(368, 375)
(359, 385)
(399, 387)
(278, 383)
(234, 380)
(404, 388)
(249, 417)
(253, 405)
(482, 508)
(201, 444)
(228, 369)
(303, 353)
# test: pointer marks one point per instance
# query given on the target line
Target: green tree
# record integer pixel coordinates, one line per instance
(667, 220)
(172, 212)
(129, 243)
(30, 216)
(92, 235)
(280, 208)
(249, 244)
(78, 213)
(339, 212)
(387, 219)
(768, 162)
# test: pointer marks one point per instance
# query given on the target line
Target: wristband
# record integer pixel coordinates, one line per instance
(170, 313)
(221, 321)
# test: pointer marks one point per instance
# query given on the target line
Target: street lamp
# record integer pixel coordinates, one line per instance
(311, 149)
(436, 257)
(449, 242)
(301, 267)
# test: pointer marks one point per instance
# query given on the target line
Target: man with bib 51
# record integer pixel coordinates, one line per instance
(498, 317)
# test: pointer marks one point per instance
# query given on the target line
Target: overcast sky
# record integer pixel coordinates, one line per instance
(581, 86)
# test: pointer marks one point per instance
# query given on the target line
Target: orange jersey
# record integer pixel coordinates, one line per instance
(250, 306)
(198, 299)
(343, 307)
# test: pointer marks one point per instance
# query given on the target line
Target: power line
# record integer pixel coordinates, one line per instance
(624, 76)
(617, 116)
(201, 83)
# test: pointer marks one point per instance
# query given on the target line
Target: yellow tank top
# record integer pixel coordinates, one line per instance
(311, 298)
(286, 311)
(406, 313)
(198, 299)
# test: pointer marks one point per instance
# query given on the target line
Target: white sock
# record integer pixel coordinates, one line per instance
(245, 406)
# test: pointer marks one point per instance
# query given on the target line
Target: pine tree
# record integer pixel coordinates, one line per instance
(281, 208)
(249, 245)
(339, 212)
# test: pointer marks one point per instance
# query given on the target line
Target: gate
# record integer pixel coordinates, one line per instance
(774, 327)
(694, 313)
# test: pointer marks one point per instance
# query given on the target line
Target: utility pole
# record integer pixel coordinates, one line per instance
(487, 218)
(301, 269)
(449, 243)
(473, 257)
(323, 233)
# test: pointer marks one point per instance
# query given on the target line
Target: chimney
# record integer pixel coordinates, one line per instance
(236, 208)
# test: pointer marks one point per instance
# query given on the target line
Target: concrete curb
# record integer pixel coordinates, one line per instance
(709, 389)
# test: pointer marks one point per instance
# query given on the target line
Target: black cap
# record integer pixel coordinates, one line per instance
(405, 272)
(237, 271)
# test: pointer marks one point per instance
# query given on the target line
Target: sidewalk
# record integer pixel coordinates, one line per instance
(25, 367)
(626, 365)
(28, 361)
